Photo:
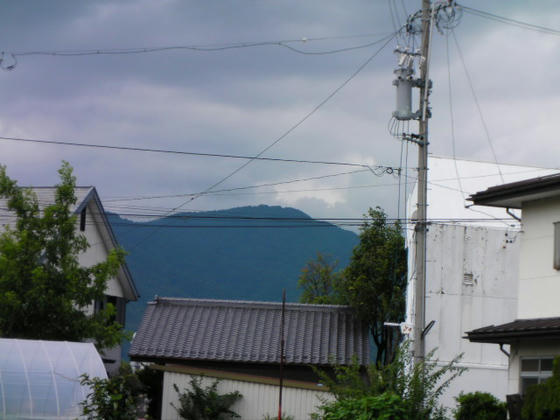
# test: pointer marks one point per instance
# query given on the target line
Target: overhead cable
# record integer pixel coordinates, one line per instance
(182, 152)
(9, 60)
(292, 128)
(509, 21)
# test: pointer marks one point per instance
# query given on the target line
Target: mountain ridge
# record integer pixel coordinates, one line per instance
(243, 253)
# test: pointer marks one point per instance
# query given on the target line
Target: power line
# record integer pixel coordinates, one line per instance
(293, 127)
(270, 184)
(477, 103)
(509, 21)
(197, 48)
(451, 116)
(181, 152)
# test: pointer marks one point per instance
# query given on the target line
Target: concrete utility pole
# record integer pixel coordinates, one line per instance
(420, 228)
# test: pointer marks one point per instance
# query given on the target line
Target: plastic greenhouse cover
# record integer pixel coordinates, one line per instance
(41, 379)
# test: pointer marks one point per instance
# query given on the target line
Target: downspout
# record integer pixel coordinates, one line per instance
(508, 211)
(504, 351)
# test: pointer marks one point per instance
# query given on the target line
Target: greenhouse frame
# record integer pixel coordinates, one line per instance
(41, 379)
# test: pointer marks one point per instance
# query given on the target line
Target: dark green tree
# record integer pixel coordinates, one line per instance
(319, 280)
(204, 402)
(542, 401)
(481, 406)
(113, 398)
(374, 282)
(44, 291)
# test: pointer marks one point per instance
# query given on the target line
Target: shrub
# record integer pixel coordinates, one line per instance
(480, 406)
(386, 406)
(542, 401)
(419, 385)
(111, 399)
(205, 403)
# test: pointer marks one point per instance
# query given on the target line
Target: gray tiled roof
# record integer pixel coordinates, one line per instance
(45, 197)
(520, 328)
(239, 331)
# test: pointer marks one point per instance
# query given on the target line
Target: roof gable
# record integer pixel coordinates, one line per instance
(84, 196)
(249, 332)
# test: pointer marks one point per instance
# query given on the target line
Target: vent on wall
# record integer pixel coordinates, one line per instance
(468, 279)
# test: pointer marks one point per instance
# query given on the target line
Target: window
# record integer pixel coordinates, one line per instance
(534, 371)
(119, 305)
(83, 219)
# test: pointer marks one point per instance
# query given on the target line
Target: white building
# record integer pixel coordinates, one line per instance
(471, 273)
(92, 222)
(533, 333)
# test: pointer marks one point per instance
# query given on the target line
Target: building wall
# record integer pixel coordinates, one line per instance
(471, 282)
(539, 282)
(258, 399)
(97, 252)
(532, 348)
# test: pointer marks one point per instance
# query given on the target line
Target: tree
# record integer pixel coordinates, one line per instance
(204, 402)
(399, 390)
(481, 406)
(44, 291)
(113, 398)
(319, 281)
(542, 401)
(374, 282)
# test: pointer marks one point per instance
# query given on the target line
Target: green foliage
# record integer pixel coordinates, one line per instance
(114, 398)
(319, 281)
(44, 290)
(374, 282)
(419, 386)
(205, 403)
(386, 406)
(542, 401)
(480, 406)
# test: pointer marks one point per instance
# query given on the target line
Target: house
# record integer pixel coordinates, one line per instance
(92, 222)
(534, 333)
(472, 270)
(238, 342)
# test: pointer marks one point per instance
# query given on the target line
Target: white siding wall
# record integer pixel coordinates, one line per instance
(459, 305)
(258, 399)
(539, 282)
(97, 252)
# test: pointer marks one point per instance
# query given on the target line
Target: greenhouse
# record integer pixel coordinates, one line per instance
(41, 379)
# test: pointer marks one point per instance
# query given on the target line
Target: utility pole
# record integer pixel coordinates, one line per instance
(422, 203)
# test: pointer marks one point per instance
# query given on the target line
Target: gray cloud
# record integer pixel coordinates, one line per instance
(239, 101)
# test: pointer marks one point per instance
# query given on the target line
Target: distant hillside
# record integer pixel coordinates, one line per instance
(223, 255)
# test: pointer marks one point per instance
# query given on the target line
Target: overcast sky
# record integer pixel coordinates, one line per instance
(239, 101)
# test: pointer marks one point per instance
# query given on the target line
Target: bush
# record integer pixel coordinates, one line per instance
(204, 403)
(114, 398)
(480, 406)
(386, 406)
(419, 386)
(542, 401)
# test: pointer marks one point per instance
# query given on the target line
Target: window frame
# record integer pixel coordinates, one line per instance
(539, 374)
(556, 247)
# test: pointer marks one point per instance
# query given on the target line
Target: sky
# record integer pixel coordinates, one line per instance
(239, 101)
